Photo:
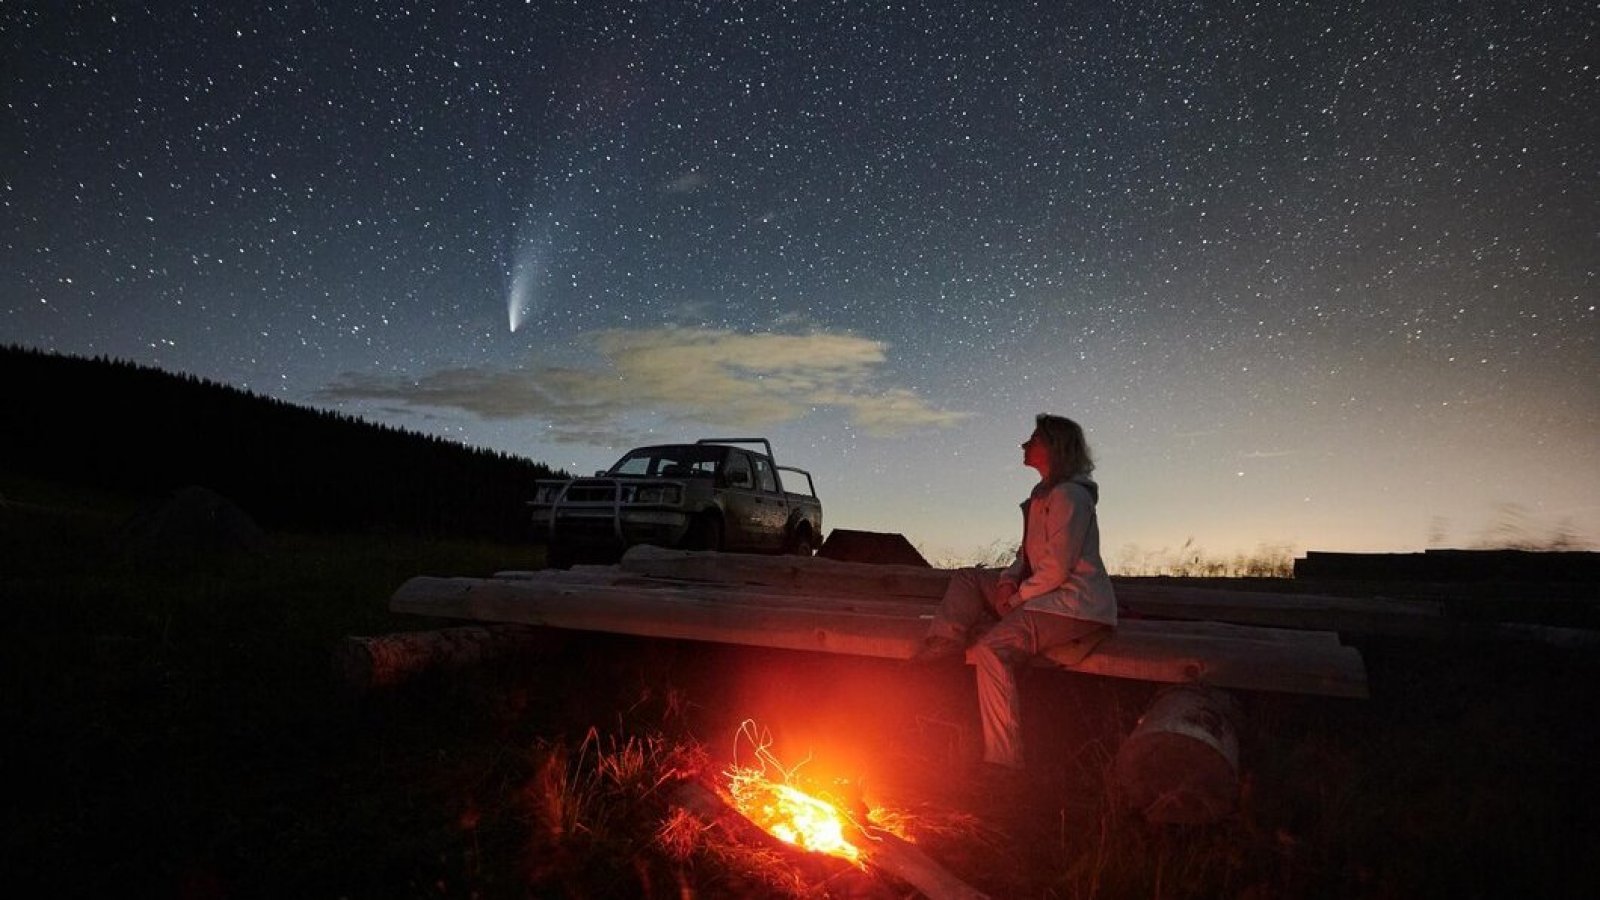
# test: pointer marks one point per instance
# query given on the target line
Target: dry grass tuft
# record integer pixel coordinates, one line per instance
(1193, 561)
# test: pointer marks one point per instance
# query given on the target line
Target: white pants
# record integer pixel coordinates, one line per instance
(1003, 643)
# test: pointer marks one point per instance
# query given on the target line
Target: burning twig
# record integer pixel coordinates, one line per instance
(782, 809)
(877, 849)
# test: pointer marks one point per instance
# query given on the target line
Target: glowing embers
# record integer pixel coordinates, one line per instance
(811, 822)
(791, 814)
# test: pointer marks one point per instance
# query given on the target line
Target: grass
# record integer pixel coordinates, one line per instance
(172, 729)
(1188, 561)
(1193, 561)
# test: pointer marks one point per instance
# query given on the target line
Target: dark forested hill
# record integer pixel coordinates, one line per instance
(141, 431)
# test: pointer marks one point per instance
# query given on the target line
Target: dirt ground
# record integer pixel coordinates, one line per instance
(176, 731)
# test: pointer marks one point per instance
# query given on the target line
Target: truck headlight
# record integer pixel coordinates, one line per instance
(659, 494)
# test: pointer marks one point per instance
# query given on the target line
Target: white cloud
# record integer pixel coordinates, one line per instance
(708, 376)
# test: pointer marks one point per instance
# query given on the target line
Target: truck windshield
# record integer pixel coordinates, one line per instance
(670, 462)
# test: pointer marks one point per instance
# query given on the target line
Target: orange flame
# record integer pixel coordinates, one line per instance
(783, 810)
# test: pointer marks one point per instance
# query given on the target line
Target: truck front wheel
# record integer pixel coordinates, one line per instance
(705, 533)
(559, 556)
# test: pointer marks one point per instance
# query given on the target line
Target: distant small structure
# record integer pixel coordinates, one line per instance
(884, 548)
(1452, 566)
(193, 521)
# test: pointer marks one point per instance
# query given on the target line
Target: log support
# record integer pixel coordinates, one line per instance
(361, 664)
(1181, 763)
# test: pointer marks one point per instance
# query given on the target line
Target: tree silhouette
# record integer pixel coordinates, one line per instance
(143, 432)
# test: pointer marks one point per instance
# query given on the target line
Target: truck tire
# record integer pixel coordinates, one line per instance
(705, 533)
(801, 542)
(558, 556)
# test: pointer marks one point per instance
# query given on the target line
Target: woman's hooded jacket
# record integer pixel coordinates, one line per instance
(1058, 567)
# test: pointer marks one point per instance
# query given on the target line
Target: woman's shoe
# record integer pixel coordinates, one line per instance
(938, 649)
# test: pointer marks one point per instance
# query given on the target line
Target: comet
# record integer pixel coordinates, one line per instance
(522, 296)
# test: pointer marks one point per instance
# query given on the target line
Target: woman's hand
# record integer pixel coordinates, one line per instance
(1005, 597)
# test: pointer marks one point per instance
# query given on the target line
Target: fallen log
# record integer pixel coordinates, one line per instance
(1232, 656)
(879, 848)
(361, 664)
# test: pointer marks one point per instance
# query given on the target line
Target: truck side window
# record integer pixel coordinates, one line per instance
(737, 472)
(764, 477)
(633, 465)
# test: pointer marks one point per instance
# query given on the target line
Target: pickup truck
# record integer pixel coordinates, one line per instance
(714, 494)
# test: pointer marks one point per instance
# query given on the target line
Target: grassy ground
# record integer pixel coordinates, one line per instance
(172, 728)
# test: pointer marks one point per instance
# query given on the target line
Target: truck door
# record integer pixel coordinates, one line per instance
(741, 502)
(774, 507)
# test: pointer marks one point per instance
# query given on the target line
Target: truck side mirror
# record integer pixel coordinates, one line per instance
(739, 479)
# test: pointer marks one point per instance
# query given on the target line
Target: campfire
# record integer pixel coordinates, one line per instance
(792, 815)
(782, 808)
(816, 818)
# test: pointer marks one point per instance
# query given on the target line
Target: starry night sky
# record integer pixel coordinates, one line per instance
(1312, 274)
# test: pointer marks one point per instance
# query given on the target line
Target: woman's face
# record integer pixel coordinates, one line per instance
(1034, 454)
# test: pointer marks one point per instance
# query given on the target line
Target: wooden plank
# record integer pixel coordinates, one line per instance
(769, 595)
(810, 574)
(1347, 615)
(659, 614)
(1449, 565)
(805, 587)
(1213, 653)
(1350, 615)
(1569, 638)
(1230, 632)
(1150, 655)
(595, 575)
(749, 595)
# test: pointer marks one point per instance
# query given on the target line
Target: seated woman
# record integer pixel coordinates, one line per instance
(1056, 593)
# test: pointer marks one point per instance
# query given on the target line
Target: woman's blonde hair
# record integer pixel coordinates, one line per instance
(1065, 444)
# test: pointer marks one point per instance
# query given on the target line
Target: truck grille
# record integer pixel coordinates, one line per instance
(592, 492)
(586, 529)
